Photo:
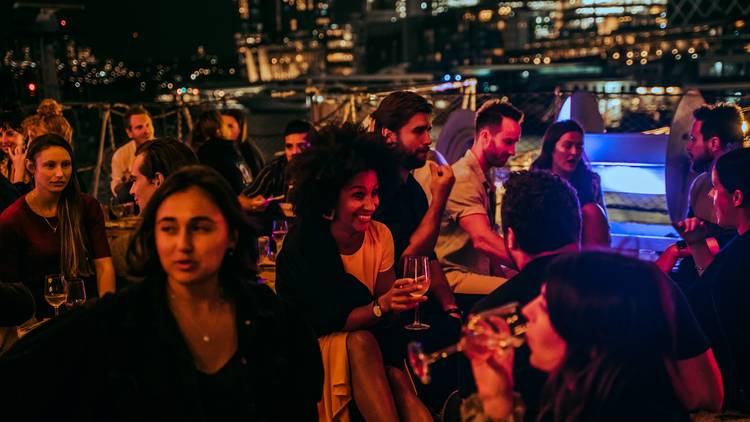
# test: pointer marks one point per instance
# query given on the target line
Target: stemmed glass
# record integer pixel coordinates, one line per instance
(76, 292)
(55, 291)
(278, 232)
(494, 329)
(417, 271)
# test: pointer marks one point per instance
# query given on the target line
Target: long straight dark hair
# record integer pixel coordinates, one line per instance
(582, 177)
(74, 251)
(616, 316)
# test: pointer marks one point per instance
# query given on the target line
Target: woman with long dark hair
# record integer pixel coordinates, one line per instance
(562, 153)
(603, 328)
(55, 228)
(236, 121)
(337, 265)
(196, 340)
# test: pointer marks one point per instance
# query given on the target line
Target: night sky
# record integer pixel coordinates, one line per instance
(165, 29)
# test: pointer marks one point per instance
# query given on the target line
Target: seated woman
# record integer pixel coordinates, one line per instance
(337, 266)
(236, 121)
(54, 229)
(603, 328)
(197, 340)
(562, 153)
(48, 119)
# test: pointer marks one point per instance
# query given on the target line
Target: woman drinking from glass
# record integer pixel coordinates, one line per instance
(603, 329)
(337, 266)
(197, 340)
(55, 228)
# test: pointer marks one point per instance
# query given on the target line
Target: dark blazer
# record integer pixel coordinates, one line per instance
(123, 358)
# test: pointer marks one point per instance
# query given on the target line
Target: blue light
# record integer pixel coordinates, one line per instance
(457, 77)
(630, 179)
(446, 77)
(565, 110)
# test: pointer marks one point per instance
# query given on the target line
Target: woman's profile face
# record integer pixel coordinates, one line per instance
(192, 237)
(547, 347)
(52, 169)
(358, 200)
(567, 153)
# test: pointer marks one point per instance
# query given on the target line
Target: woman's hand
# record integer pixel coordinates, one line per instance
(18, 158)
(693, 230)
(398, 298)
(492, 368)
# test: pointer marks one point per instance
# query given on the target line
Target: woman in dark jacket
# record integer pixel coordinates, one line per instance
(198, 340)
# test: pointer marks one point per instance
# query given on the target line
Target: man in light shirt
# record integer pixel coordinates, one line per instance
(139, 129)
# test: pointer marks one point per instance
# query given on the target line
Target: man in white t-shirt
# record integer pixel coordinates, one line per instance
(139, 129)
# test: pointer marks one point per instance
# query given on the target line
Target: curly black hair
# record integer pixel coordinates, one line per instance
(543, 210)
(319, 173)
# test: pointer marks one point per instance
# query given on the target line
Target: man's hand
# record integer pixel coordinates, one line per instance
(255, 204)
(442, 180)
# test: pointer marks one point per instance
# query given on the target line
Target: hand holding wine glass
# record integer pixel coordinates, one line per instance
(55, 291)
(417, 270)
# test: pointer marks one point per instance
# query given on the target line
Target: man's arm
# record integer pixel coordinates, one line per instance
(483, 238)
(119, 170)
(440, 288)
(422, 241)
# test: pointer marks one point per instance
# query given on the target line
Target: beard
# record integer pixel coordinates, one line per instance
(701, 164)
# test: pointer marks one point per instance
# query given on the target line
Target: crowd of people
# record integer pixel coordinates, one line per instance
(198, 336)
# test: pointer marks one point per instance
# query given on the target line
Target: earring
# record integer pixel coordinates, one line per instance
(329, 215)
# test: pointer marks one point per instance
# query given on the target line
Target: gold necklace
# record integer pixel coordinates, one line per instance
(203, 333)
(54, 228)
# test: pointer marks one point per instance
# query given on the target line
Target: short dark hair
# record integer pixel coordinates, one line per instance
(142, 256)
(492, 112)
(542, 209)
(165, 156)
(722, 120)
(132, 111)
(319, 173)
(733, 170)
(302, 126)
(397, 108)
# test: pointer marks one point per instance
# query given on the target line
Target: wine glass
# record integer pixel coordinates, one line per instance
(278, 232)
(55, 291)
(117, 209)
(417, 271)
(494, 329)
(76, 292)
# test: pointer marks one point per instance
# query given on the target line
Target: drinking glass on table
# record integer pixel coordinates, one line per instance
(417, 271)
(55, 291)
(496, 329)
(278, 232)
(76, 292)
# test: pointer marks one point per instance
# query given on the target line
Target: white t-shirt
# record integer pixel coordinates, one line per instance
(373, 257)
(122, 160)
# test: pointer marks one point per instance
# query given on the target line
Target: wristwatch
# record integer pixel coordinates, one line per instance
(376, 310)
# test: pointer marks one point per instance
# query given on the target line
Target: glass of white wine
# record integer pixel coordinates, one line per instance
(494, 329)
(55, 291)
(417, 270)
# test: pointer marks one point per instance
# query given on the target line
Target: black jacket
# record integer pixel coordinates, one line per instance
(123, 358)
